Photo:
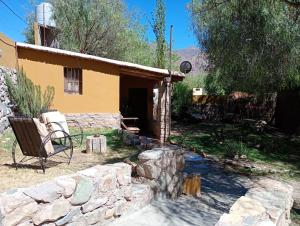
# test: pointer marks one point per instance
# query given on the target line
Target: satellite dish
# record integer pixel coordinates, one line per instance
(186, 67)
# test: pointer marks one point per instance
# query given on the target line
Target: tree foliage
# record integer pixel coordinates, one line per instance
(28, 98)
(99, 27)
(159, 29)
(253, 46)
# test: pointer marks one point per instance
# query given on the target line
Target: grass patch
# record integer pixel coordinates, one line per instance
(225, 140)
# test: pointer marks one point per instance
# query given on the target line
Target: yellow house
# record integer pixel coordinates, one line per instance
(96, 91)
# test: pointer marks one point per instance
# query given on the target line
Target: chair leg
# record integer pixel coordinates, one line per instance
(14, 146)
(71, 154)
(42, 164)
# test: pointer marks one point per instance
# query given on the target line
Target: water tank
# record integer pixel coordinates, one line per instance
(44, 11)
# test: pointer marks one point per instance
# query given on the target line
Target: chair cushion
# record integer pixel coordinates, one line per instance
(56, 121)
(43, 131)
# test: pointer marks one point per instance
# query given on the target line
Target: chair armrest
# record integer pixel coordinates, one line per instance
(49, 137)
(57, 123)
(77, 123)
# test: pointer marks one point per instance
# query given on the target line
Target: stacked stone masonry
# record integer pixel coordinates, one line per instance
(268, 203)
(89, 197)
(5, 102)
(97, 120)
(162, 168)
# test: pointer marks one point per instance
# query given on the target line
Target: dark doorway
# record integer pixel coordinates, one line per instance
(138, 106)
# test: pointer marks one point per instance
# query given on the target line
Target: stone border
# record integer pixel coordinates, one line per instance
(96, 120)
(5, 110)
(267, 203)
(92, 196)
(162, 168)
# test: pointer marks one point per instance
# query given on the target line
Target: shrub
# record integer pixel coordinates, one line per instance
(181, 99)
(235, 149)
(182, 93)
(28, 97)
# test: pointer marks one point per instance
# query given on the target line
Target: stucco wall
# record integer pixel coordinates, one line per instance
(8, 56)
(100, 81)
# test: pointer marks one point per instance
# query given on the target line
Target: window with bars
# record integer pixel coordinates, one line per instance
(73, 80)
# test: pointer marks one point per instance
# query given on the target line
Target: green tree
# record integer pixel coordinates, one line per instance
(28, 98)
(29, 31)
(159, 29)
(99, 27)
(253, 46)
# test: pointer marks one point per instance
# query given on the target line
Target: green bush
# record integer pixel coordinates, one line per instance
(28, 97)
(235, 149)
(181, 99)
(182, 93)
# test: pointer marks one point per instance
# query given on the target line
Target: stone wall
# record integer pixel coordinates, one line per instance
(162, 168)
(97, 120)
(162, 125)
(268, 203)
(92, 196)
(5, 110)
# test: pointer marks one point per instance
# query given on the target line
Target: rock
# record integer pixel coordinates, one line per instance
(151, 171)
(52, 211)
(132, 164)
(83, 191)
(265, 223)
(68, 184)
(142, 195)
(127, 191)
(68, 217)
(20, 214)
(90, 172)
(94, 203)
(120, 208)
(267, 203)
(108, 182)
(140, 170)
(123, 171)
(153, 154)
(243, 157)
(46, 192)
(246, 207)
(96, 216)
(26, 223)
(230, 220)
(78, 220)
(109, 213)
(10, 201)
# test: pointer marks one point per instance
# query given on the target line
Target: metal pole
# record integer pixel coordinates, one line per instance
(169, 87)
(44, 24)
(171, 34)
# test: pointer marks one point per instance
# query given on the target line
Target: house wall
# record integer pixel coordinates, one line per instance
(100, 81)
(8, 57)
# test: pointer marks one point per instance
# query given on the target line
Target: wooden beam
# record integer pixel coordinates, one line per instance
(141, 74)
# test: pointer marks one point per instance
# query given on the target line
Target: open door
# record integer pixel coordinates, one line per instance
(138, 106)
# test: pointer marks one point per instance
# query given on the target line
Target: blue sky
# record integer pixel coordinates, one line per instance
(177, 15)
